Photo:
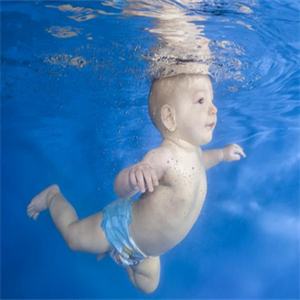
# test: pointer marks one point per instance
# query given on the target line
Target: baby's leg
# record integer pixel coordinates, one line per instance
(81, 235)
(145, 276)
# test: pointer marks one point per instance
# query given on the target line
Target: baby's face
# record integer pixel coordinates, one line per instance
(196, 115)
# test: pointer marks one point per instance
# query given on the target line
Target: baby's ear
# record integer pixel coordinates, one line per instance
(168, 117)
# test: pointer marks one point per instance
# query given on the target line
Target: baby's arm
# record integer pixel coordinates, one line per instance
(142, 176)
(229, 153)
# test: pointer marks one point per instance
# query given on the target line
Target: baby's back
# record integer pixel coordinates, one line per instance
(161, 219)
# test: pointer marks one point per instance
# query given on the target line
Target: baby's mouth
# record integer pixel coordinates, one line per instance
(211, 125)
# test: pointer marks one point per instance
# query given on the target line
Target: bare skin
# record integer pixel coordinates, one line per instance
(171, 178)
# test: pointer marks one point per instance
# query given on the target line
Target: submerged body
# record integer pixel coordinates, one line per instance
(171, 178)
(161, 219)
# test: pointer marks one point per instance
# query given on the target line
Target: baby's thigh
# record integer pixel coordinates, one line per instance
(145, 276)
(88, 235)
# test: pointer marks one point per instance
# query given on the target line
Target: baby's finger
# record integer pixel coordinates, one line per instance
(140, 180)
(240, 152)
(236, 145)
(133, 181)
(154, 177)
(148, 180)
(243, 154)
(241, 149)
(236, 157)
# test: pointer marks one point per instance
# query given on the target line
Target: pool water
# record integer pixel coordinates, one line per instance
(74, 85)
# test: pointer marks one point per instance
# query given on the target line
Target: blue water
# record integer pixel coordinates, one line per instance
(74, 112)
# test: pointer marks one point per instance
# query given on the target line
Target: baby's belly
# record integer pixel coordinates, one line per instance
(163, 218)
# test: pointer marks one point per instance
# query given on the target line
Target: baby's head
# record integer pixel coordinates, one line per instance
(181, 108)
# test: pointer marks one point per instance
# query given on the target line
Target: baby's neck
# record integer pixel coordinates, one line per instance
(182, 144)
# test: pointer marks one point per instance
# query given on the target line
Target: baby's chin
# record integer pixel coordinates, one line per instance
(205, 140)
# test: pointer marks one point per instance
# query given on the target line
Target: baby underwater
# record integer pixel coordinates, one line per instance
(171, 179)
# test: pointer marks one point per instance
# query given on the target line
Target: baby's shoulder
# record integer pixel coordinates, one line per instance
(157, 159)
(159, 153)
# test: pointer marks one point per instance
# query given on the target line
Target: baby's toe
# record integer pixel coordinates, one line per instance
(31, 205)
(29, 209)
(30, 214)
(35, 216)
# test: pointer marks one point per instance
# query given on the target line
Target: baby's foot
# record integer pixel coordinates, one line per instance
(101, 256)
(41, 201)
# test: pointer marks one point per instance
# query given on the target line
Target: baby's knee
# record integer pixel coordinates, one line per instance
(72, 244)
(150, 287)
(146, 275)
(146, 283)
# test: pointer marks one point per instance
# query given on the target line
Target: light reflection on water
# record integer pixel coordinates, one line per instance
(231, 41)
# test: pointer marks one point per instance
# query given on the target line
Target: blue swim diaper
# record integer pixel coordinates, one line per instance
(115, 223)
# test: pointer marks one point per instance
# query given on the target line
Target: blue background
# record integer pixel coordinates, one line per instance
(79, 126)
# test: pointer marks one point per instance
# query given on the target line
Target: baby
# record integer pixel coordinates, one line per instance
(171, 179)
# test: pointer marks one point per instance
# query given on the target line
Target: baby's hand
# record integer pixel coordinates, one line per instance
(232, 152)
(143, 177)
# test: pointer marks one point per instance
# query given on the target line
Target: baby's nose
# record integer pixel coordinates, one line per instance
(213, 110)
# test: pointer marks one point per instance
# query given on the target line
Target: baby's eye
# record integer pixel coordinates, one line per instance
(201, 100)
